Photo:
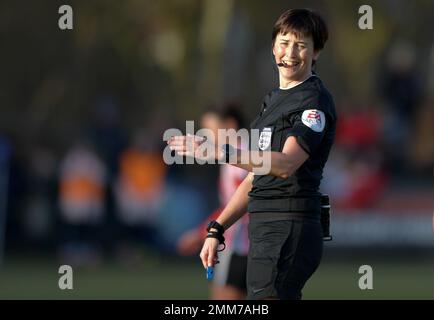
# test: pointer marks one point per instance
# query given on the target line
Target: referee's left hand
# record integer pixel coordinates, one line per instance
(208, 255)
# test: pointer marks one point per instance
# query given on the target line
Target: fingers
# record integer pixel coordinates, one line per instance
(208, 255)
(180, 145)
(211, 260)
(194, 138)
(185, 145)
(204, 258)
(182, 140)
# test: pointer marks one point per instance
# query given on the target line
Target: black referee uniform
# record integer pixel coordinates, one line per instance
(285, 231)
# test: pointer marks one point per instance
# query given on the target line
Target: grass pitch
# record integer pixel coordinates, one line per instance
(184, 278)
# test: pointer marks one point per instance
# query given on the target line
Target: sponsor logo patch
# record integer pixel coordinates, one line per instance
(314, 119)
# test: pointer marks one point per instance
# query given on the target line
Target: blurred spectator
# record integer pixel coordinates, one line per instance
(39, 215)
(138, 190)
(109, 139)
(422, 146)
(356, 176)
(82, 181)
(400, 85)
(107, 134)
(355, 180)
(358, 128)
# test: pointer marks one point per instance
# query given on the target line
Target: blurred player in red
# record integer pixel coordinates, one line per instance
(229, 281)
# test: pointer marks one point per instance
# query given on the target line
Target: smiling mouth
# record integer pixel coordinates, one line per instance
(286, 64)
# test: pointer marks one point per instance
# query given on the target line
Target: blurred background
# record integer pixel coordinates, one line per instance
(83, 111)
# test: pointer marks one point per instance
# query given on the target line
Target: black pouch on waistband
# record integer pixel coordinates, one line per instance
(325, 217)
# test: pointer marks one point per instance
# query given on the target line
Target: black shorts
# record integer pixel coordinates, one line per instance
(231, 270)
(285, 250)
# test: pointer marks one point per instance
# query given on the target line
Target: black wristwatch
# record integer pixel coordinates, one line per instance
(228, 150)
(215, 225)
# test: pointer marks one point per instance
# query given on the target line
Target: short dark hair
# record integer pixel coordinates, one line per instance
(231, 110)
(302, 22)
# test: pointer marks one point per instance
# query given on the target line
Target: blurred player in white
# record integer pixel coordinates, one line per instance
(229, 282)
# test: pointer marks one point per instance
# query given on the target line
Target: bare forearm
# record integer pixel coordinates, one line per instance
(237, 206)
(281, 164)
(267, 162)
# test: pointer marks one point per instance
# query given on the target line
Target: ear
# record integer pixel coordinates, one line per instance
(316, 54)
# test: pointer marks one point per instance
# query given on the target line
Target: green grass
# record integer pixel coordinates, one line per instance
(27, 279)
(399, 279)
(185, 279)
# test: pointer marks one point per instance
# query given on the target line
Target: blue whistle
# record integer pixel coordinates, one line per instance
(209, 273)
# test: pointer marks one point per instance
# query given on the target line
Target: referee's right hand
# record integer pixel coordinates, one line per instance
(208, 254)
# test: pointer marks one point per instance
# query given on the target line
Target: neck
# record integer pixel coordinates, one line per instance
(288, 84)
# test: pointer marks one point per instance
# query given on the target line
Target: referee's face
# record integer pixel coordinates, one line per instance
(296, 54)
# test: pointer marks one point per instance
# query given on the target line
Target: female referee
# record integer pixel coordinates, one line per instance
(297, 128)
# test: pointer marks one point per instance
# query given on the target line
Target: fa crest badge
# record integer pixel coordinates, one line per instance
(265, 138)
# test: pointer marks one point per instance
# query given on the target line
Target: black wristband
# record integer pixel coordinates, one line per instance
(215, 225)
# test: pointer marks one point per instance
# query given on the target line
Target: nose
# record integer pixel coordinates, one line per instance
(291, 51)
